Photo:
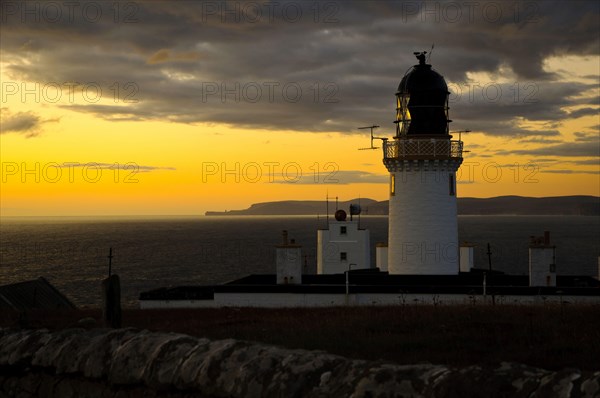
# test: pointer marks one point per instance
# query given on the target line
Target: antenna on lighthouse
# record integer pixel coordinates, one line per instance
(430, 51)
(460, 133)
(327, 197)
(372, 137)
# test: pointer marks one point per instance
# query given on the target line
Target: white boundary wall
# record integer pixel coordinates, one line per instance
(282, 300)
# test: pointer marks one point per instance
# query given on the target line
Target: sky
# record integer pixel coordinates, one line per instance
(182, 107)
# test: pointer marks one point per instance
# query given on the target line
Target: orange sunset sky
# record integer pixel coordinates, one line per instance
(183, 107)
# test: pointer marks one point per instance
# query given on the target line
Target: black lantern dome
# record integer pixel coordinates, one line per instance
(422, 102)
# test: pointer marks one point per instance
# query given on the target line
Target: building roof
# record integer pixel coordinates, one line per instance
(374, 281)
(34, 294)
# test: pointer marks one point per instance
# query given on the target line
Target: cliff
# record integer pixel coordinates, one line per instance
(294, 207)
(501, 205)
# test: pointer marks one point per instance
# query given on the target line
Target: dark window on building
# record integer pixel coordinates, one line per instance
(452, 185)
(342, 230)
(343, 256)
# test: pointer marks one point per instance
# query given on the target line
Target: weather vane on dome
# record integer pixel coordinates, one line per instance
(421, 55)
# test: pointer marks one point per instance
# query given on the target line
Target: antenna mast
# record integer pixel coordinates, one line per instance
(327, 209)
(372, 137)
(110, 257)
(430, 51)
(460, 133)
(359, 211)
(327, 197)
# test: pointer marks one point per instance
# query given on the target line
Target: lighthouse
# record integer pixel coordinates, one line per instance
(422, 160)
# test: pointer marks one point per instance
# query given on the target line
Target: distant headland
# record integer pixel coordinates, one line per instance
(500, 205)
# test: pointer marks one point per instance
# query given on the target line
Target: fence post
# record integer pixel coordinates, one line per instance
(111, 301)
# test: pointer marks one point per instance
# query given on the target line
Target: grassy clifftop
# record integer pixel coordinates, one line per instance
(546, 336)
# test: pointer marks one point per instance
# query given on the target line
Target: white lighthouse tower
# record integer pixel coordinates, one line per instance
(422, 160)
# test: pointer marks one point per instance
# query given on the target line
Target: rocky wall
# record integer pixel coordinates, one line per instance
(133, 363)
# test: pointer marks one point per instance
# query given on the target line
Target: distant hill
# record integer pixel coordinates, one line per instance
(556, 205)
(292, 207)
(501, 205)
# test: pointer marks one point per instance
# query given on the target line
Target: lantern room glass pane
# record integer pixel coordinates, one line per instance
(403, 115)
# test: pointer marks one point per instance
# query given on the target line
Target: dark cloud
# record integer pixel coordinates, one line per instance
(539, 140)
(593, 162)
(555, 162)
(320, 66)
(26, 123)
(508, 105)
(584, 112)
(586, 137)
(595, 128)
(336, 177)
(568, 171)
(130, 166)
(165, 55)
(575, 149)
(20, 122)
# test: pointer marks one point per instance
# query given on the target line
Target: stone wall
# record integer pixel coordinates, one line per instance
(132, 363)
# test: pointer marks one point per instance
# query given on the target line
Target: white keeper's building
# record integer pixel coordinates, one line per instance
(342, 246)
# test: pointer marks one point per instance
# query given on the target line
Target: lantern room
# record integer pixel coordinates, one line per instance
(422, 102)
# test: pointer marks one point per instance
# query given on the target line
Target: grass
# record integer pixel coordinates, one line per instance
(551, 336)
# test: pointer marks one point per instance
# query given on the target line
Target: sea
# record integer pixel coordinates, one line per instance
(154, 252)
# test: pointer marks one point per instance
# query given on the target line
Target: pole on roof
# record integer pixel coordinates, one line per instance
(111, 297)
(484, 285)
(489, 253)
(110, 257)
(327, 209)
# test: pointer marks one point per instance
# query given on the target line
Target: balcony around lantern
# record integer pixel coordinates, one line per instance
(408, 149)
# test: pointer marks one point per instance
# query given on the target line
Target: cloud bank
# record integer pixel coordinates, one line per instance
(305, 66)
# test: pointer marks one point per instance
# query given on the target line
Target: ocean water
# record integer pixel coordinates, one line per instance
(152, 252)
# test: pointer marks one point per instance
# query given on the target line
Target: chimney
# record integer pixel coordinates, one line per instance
(288, 261)
(542, 261)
